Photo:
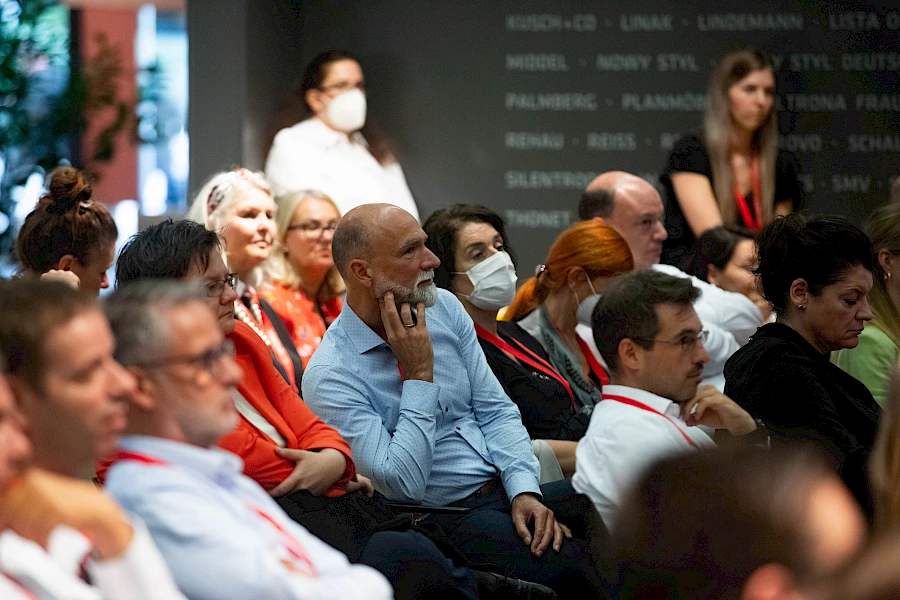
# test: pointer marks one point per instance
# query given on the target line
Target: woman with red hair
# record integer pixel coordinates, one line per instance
(563, 294)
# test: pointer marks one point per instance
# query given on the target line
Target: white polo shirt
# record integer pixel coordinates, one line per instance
(622, 441)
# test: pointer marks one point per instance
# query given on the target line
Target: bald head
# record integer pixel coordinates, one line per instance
(358, 230)
(633, 207)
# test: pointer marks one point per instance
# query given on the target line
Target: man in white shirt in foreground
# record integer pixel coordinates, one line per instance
(56, 532)
(647, 330)
(635, 209)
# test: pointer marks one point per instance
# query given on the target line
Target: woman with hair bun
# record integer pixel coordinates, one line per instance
(69, 233)
(733, 173)
(816, 272)
(563, 294)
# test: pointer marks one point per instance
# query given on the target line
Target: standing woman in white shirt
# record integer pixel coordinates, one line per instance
(333, 148)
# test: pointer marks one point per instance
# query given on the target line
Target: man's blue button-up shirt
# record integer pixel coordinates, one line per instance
(418, 441)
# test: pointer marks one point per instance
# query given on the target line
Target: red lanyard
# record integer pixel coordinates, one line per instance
(643, 406)
(751, 223)
(595, 365)
(526, 356)
(288, 541)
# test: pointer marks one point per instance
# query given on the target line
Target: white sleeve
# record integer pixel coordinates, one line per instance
(140, 573)
(400, 193)
(731, 312)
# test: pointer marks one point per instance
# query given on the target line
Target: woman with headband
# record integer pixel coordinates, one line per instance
(238, 205)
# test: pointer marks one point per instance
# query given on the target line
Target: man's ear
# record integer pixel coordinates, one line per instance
(361, 270)
(66, 262)
(144, 395)
(23, 395)
(629, 358)
(770, 582)
(799, 293)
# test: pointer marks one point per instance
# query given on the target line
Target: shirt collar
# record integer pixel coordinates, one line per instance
(211, 462)
(328, 137)
(658, 403)
(361, 335)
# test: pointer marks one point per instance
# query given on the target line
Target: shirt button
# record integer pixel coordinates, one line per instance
(457, 428)
(447, 409)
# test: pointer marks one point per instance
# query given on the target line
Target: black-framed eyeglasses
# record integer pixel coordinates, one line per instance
(208, 364)
(687, 342)
(214, 290)
(313, 230)
(344, 86)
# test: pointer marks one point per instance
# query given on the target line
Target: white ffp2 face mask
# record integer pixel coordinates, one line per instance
(347, 112)
(494, 280)
(586, 306)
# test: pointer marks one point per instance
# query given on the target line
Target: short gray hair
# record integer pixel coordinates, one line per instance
(135, 314)
(351, 240)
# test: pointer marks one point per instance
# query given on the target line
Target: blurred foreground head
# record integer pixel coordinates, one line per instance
(734, 523)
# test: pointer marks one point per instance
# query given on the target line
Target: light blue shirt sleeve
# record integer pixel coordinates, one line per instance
(500, 420)
(399, 464)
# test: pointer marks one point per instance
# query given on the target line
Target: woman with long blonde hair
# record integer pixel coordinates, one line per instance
(305, 287)
(875, 358)
(733, 173)
(563, 294)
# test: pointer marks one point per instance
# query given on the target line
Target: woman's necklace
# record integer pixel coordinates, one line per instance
(241, 312)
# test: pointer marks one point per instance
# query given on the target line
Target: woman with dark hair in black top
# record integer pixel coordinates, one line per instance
(816, 272)
(477, 266)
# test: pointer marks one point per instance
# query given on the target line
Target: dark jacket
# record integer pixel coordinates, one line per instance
(783, 380)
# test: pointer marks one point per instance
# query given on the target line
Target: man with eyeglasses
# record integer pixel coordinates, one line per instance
(647, 330)
(635, 209)
(61, 537)
(221, 534)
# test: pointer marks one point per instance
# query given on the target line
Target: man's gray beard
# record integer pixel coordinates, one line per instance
(404, 295)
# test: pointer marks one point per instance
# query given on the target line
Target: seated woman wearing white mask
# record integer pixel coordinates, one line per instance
(563, 294)
(476, 265)
(333, 148)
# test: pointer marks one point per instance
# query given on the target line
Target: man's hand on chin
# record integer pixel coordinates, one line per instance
(527, 508)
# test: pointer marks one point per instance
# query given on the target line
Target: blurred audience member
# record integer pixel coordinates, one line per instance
(427, 419)
(284, 446)
(635, 209)
(563, 294)
(733, 173)
(725, 256)
(62, 538)
(875, 358)
(238, 205)
(220, 533)
(816, 272)
(741, 523)
(884, 465)
(306, 288)
(477, 266)
(68, 236)
(334, 147)
(647, 330)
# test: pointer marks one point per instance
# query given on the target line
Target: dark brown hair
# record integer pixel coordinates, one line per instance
(32, 309)
(65, 221)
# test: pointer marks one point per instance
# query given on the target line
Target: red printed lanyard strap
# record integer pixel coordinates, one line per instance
(595, 365)
(526, 356)
(643, 406)
(288, 541)
(753, 224)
